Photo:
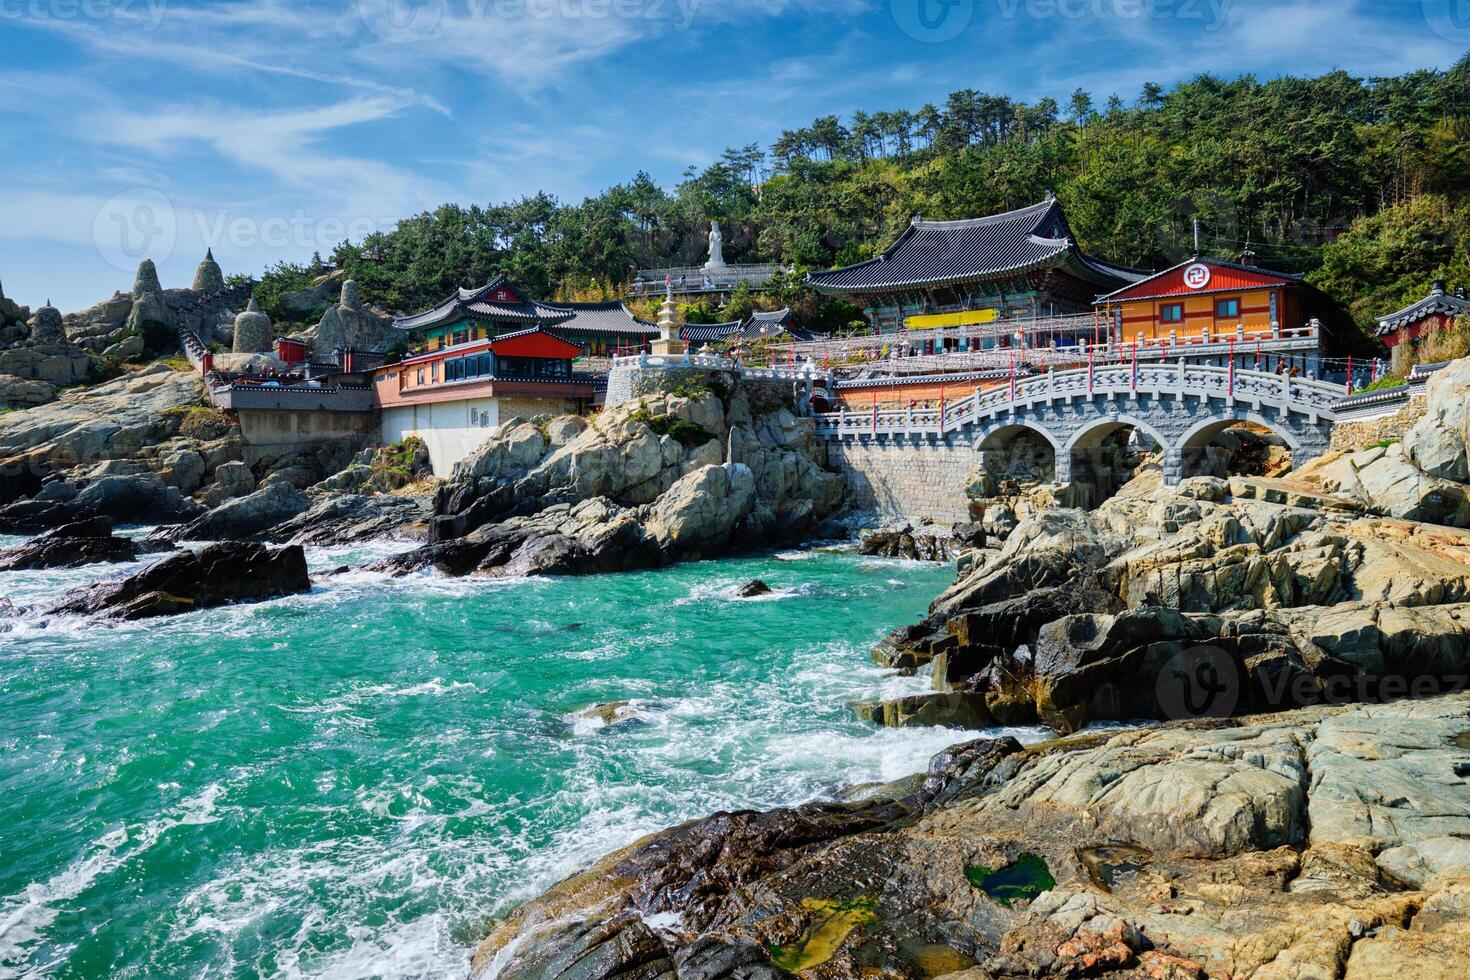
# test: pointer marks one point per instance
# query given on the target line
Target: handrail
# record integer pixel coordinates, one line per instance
(806, 371)
(1302, 395)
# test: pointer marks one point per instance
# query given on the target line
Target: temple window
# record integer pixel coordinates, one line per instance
(1227, 309)
(1171, 313)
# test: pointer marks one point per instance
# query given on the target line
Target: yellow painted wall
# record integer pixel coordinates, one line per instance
(1143, 316)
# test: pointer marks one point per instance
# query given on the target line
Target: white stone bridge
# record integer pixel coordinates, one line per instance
(921, 455)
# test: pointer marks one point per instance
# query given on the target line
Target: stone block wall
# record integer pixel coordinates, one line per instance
(626, 383)
(1351, 437)
(905, 478)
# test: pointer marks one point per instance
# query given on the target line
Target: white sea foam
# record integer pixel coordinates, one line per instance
(25, 915)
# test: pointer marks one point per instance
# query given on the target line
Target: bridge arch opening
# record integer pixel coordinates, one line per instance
(1251, 446)
(1013, 456)
(1106, 455)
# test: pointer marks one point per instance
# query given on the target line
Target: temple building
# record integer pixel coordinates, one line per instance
(1402, 329)
(469, 315)
(1204, 299)
(499, 307)
(1022, 263)
(452, 396)
(605, 329)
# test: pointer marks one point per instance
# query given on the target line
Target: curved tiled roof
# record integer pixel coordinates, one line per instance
(709, 332)
(472, 301)
(609, 317)
(932, 253)
(532, 311)
(1438, 301)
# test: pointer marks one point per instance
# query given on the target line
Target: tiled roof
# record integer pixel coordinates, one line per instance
(533, 311)
(609, 317)
(463, 301)
(1437, 302)
(938, 252)
(708, 332)
(770, 324)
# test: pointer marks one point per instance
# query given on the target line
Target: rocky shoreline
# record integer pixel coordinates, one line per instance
(1304, 814)
(1318, 842)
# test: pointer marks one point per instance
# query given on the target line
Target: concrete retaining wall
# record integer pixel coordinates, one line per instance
(275, 432)
(454, 430)
(906, 478)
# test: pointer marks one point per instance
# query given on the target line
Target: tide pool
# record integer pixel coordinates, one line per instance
(354, 782)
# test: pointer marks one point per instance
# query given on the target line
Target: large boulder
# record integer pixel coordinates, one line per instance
(24, 393)
(57, 365)
(11, 312)
(348, 518)
(1437, 442)
(701, 510)
(220, 574)
(70, 546)
(349, 325)
(244, 518)
(151, 313)
(232, 479)
(140, 498)
(323, 292)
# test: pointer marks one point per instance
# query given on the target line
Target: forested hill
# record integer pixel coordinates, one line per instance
(1360, 182)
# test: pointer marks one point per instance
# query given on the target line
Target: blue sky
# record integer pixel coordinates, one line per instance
(266, 129)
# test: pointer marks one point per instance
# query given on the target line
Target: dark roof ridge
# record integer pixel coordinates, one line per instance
(989, 219)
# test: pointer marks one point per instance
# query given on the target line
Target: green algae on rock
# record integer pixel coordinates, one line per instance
(1023, 879)
(824, 937)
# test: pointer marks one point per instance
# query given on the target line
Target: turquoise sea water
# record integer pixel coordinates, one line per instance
(353, 782)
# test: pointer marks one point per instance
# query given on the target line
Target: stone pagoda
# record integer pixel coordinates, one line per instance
(670, 329)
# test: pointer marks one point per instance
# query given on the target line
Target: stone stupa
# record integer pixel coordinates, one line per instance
(253, 333)
(208, 278)
(46, 327)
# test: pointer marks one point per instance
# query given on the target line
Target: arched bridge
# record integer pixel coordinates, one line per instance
(1181, 406)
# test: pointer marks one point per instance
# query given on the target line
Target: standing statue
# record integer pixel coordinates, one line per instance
(716, 247)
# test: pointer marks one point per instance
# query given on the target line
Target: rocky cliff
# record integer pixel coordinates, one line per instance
(1347, 581)
(659, 479)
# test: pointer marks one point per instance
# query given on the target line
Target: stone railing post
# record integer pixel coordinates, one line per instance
(1179, 377)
